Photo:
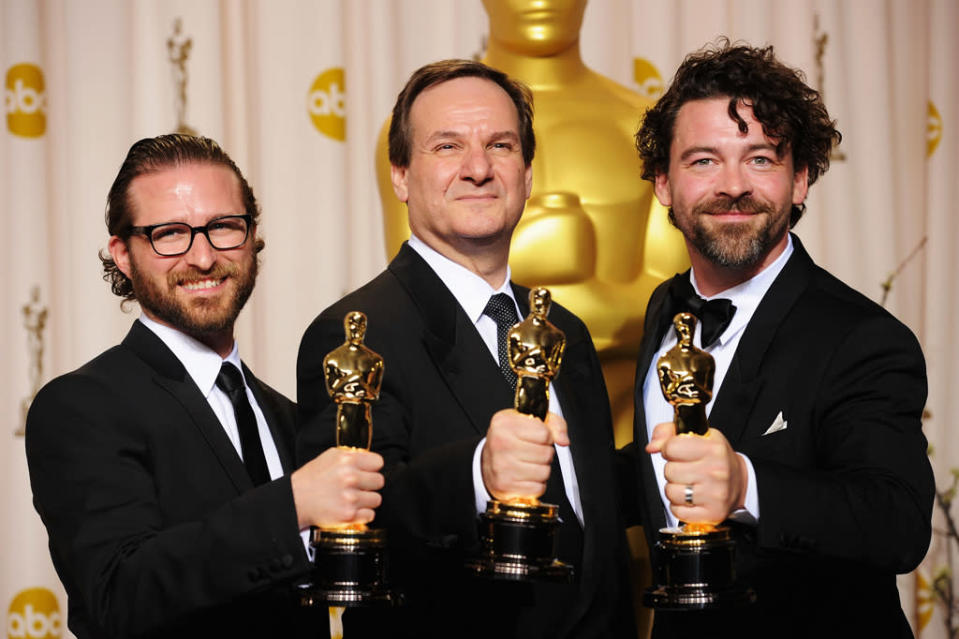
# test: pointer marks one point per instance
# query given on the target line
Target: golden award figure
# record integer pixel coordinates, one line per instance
(518, 536)
(350, 566)
(696, 559)
(353, 376)
(535, 349)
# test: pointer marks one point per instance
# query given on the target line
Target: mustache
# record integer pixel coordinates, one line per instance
(744, 204)
(216, 272)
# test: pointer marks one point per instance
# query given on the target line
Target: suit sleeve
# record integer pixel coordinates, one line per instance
(868, 497)
(92, 469)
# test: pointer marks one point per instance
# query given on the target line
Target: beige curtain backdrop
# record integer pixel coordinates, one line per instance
(296, 92)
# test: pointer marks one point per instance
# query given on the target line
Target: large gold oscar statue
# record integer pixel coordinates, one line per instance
(592, 230)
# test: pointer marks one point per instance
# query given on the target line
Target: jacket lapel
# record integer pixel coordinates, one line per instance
(743, 382)
(454, 345)
(281, 439)
(172, 377)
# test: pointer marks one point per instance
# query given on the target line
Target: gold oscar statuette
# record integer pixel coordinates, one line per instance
(350, 560)
(695, 567)
(518, 536)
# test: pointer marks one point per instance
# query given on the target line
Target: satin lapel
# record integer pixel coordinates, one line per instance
(454, 345)
(742, 384)
(654, 330)
(580, 412)
(171, 376)
(281, 437)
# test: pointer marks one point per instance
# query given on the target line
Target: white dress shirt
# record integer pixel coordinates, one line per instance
(746, 298)
(472, 293)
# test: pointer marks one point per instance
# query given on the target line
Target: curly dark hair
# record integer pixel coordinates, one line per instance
(150, 155)
(789, 110)
(400, 135)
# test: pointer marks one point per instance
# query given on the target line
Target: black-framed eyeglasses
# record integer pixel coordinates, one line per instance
(176, 238)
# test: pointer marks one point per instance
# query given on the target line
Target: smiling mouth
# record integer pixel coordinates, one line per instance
(202, 285)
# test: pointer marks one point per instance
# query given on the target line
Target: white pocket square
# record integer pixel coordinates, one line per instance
(778, 424)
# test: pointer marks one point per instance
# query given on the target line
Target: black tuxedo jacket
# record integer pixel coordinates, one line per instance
(440, 389)
(155, 527)
(846, 489)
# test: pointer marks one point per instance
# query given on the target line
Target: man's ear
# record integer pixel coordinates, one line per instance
(398, 177)
(800, 185)
(661, 189)
(120, 253)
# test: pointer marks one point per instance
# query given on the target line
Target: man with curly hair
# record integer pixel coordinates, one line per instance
(163, 469)
(815, 454)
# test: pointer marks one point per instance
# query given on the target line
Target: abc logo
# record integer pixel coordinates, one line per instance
(326, 103)
(647, 77)
(34, 614)
(25, 99)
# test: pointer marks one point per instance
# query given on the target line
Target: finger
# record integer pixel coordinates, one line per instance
(369, 481)
(509, 425)
(364, 516)
(677, 494)
(521, 472)
(368, 460)
(367, 499)
(557, 429)
(688, 448)
(534, 454)
(661, 434)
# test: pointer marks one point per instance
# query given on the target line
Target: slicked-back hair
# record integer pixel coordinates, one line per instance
(151, 155)
(401, 133)
(790, 112)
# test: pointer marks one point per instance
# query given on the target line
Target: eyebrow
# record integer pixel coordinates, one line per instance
(496, 135)
(762, 146)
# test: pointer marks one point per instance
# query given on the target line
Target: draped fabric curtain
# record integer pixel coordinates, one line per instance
(296, 92)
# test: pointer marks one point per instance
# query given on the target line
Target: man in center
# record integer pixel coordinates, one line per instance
(461, 146)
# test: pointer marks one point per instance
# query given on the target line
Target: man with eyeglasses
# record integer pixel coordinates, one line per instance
(163, 469)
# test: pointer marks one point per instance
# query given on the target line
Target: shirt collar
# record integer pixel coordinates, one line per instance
(747, 296)
(470, 290)
(200, 361)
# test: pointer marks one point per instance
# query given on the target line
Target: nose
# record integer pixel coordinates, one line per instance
(476, 167)
(733, 182)
(201, 255)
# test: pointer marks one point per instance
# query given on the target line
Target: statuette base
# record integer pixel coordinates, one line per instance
(519, 543)
(696, 571)
(349, 569)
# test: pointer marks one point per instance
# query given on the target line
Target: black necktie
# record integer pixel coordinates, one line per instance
(502, 310)
(230, 381)
(714, 315)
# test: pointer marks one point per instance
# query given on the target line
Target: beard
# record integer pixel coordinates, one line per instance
(734, 245)
(203, 315)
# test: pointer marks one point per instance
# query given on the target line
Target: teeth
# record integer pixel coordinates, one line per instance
(201, 284)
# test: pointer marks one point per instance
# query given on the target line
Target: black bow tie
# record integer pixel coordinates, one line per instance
(714, 315)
